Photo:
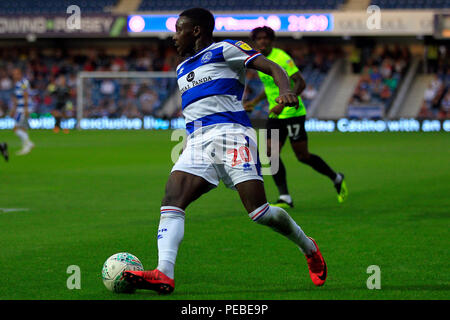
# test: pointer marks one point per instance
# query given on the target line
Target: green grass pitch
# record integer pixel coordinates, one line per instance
(91, 194)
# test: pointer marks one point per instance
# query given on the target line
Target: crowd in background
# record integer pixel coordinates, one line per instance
(56, 70)
(436, 99)
(52, 71)
(381, 71)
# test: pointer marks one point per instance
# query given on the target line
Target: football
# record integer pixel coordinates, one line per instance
(113, 268)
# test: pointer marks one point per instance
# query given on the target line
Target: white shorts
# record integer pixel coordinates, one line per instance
(226, 153)
(20, 120)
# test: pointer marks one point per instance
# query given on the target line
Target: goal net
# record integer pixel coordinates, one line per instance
(127, 100)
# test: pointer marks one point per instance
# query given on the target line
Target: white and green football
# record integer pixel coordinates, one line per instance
(113, 268)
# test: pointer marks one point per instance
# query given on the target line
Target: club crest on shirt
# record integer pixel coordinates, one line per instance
(243, 46)
(206, 57)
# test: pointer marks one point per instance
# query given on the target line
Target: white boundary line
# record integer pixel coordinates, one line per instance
(7, 210)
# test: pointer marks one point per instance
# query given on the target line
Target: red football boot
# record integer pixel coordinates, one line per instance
(317, 266)
(150, 280)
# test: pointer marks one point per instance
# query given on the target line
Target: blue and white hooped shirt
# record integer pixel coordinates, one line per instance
(212, 84)
(19, 91)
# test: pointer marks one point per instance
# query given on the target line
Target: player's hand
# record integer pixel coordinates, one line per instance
(288, 99)
(277, 109)
(249, 106)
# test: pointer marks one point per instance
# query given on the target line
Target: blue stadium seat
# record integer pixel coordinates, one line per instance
(412, 4)
(53, 6)
(235, 5)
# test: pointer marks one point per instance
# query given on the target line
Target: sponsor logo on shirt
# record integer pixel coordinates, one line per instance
(243, 46)
(190, 76)
(193, 82)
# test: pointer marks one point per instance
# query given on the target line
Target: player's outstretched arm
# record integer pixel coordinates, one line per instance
(299, 83)
(287, 97)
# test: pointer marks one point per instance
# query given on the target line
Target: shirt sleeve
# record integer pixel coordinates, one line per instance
(288, 64)
(238, 53)
(25, 85)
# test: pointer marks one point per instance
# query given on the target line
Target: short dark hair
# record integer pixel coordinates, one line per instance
(268, 30)
(201, 17)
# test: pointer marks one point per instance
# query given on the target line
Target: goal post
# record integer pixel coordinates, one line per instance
(119, 94)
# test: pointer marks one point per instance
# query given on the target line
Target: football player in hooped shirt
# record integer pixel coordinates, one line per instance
(211, 81)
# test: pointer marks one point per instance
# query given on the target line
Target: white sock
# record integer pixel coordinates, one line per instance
(285, 197)
(170, 235)
(23, 135)
(338, 179)
(279, 220)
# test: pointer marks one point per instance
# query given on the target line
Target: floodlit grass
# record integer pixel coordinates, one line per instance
(91, 194)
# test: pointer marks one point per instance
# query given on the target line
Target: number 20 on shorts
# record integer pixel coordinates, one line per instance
(244, 154)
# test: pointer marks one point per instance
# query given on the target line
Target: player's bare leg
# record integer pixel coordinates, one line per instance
(182, 188)
(285, 200)
(254, 200)
(317, 163)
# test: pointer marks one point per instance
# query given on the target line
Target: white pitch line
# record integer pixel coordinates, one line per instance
(6, 210)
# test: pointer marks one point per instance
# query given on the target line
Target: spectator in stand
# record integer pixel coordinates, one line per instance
(309, 93)
(436, 83)
(386, 69)
(429, 95)
(3, 109)
(107, 88)
(365, 95)
(6, 85)
(131, 111)
(376, 87)
(445, 106)
(148, 100)
(375, 74)
(432, 56)
(355, 60)
(436, 102)
(385, 94)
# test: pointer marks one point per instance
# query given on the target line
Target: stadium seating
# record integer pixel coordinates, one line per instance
(53, 6)
(436, 98)
(43, 70)
(381, 75)
(116, 98)
(236, 5)
(411, 4)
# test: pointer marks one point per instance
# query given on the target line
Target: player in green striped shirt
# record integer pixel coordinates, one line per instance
(290, 121)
